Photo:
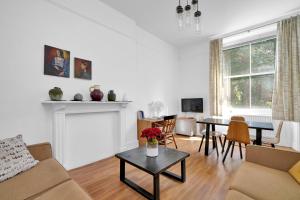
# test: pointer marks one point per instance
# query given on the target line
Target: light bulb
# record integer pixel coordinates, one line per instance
(180, 16)
(197, 21)
(188, 15)
(194, 5)
(180, 19)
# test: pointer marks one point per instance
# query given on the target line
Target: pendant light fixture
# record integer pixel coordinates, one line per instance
(189, 15)
(194, 5)
(197, 18)
(180, 18)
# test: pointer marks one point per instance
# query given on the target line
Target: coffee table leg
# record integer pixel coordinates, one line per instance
(183, 171)
(181, 178)
(122, 170)
(156, 187)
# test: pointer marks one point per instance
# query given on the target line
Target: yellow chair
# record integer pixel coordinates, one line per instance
(238, 131)
(235, 118)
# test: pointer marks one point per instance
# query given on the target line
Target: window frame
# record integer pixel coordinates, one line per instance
(250, 74)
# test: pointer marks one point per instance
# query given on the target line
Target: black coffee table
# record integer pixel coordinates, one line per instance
(153, 166)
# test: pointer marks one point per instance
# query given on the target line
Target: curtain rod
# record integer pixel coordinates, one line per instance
(260, 25)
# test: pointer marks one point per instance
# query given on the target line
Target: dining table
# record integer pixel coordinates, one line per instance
(212, 122)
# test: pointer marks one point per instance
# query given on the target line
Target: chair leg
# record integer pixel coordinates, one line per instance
(201, 143)
(216, 144)
(232, 148)
(273, 145)
(220, 139)
(174, 141)
(224, 142)
(241, 150)
(227, 150)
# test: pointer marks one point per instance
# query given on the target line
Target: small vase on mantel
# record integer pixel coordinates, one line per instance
(111, 96)
(152, 135)
(95, 93)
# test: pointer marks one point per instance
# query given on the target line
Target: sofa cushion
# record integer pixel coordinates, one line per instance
(236, 195)
(14, 157)
(65, 191)
(44, 175)
(259, 182)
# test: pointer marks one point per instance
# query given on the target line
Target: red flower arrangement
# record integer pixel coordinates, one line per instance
(152, 135)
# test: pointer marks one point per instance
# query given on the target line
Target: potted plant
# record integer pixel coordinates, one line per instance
(152, 135)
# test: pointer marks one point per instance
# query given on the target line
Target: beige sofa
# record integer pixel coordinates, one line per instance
(48, 180)
(264, 176)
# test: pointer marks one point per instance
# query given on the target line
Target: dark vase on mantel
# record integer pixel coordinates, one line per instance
(111, 96)
(95, 93)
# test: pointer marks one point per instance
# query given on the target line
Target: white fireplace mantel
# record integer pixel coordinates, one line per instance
(61, 109)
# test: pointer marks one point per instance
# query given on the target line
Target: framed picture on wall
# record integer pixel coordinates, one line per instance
(56, 62)
(82, 69)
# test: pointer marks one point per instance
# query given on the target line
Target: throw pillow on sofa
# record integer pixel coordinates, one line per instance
(14, 157)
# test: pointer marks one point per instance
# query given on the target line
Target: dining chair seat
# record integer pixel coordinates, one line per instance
(214, 135)
(272, 140)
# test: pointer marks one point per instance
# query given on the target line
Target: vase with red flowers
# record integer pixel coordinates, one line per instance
(152, 135)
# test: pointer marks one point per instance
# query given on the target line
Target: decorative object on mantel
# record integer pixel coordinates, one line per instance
(78, 97)
(56, 62)
(82, 69)
(95, 93)
(189, 15)
(152, 135)
(55, 94)
(125, 97)
(111, 96)
(155, 108)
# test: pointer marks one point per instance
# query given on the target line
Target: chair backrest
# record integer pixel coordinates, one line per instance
(238, 131)
(238, 118)
(169, 124)
(278, 131)
(140, 114)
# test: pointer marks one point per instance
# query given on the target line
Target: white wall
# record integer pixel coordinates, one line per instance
(193, 73)
(125, 58)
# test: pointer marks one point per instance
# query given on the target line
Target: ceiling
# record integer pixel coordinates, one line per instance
(218, 16)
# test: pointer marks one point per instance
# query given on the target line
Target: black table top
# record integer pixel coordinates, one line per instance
(251, 124)
(153, 165)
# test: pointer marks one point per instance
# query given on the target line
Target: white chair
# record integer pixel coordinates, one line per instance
(272, 140)
(214, 135)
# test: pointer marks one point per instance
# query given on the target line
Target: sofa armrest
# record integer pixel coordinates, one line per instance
(40, 151)
(271, 157)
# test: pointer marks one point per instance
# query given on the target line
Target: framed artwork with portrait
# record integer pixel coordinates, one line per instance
(56, 62)
(82, 69)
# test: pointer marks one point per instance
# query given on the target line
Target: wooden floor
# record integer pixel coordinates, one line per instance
(207, 177)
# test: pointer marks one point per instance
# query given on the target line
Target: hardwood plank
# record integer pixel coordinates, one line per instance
(207, 177)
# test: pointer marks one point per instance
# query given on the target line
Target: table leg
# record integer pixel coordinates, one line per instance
(156, 187)
(122, 170)
(213, 128)
(181, 178)
(258, 136)
(207, 139)
(183, 171)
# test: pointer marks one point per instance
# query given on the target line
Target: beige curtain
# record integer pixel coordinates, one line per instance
(215, 77)
(286, 95)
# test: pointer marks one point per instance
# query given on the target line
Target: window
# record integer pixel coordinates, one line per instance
(249, 74)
